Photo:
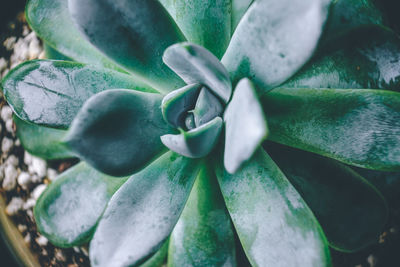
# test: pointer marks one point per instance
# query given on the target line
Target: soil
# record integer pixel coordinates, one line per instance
(384, 253)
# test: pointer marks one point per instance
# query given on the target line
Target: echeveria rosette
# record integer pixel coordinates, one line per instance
(231, 67)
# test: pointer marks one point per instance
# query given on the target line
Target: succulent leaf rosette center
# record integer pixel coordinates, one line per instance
(197, 108)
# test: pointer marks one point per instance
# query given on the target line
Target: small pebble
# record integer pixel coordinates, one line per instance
(59, 255)
(27, 238)
(10, 126)
(10, 42)
(17, 142)
(6, 145)
(38, 191)
(2, 167)
(34, 49)
(27, 158)
(42, 241)
(22, 228)
(24, 179)
(36, 179)
(10, 178)
(12, 160)
(6, 113)
(3, 64)
(38, 166)
(85, 251)
(29, 212)
(76, 249)
(52, 174)
(30, 203)
(372, 261)
(14, 206)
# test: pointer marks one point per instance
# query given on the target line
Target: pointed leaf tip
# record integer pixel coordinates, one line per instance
(246, 126)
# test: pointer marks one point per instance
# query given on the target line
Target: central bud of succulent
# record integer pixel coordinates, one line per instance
(200, 109)
(195, 109)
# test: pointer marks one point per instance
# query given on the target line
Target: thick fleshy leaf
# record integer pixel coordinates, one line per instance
(195, 143)
(207, 107)
(50, 19)
(360, 127)
(204, 22)
(50, 93)
(134, 33)
(275, 226)
(42, 141)
(366, 64)
(245, 126)
(239, 8)
(203, 235)
(144, 211)
(351, 211)
(176, 104)
(118, 131)
(68, 211)
(195, 64)
(345, 16)
(274, 39)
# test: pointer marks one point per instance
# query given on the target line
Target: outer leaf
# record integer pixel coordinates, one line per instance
(275, 226)
(68, 211)
(204, 22)
(197, 142)
(203, 235)
(194, 64)
(51, 92)
(176, 104)
(134, 33)
(350, 210)
(345, 16)
(42, 141)
(118, 131)
(360, 127)
(274, 39)
(366, 64)
(245, 124)
(50, 19)
(142, 214)
(52, 53)
(239, 8)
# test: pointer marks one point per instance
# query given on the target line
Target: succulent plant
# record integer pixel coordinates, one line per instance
(265, 104)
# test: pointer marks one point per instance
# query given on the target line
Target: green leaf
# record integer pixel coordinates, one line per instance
(363, 64)
(206, 23)
(360, 127)
(118, 131)
(134, 33)
(245, 125)
(239, 8)
(69, 209)
(346, 16)
(51, 21)
(176, 104)
(195, 143)
(50, 93)
(42, 141)
(195, 64)
(143, 213)
(203, 235)
(275, 226)
(52, 53)
(207, 107)
(274, 39)
(351, 211)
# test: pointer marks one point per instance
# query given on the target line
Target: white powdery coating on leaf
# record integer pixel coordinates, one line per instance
(76, 198)
(276, 228)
